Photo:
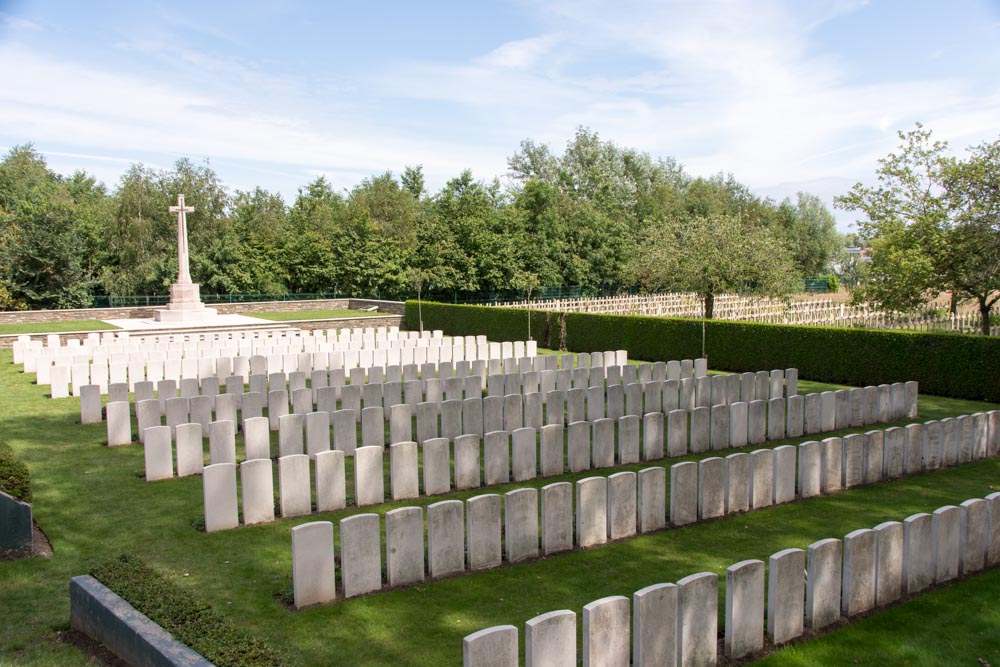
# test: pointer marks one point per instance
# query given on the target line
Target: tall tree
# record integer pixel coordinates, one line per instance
(933, 224)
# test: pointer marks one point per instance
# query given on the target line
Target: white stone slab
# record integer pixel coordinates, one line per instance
(360, 554)
(483, 523)
(257, 485)
(744, 619)
(219, 497)
(331, 487)
(784, 595)
(313, 578)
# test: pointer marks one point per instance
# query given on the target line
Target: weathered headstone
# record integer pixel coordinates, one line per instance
(744, 619)
(313, 564)
(360, 554)
(823, 583)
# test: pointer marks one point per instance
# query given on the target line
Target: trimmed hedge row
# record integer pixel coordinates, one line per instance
(956, 365)
(15, 480)
(188, 619)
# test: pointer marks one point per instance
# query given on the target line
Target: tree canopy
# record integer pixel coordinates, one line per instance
(579, 218)
(933, 223)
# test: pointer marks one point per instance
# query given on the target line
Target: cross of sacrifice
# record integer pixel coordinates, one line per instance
(183, 272)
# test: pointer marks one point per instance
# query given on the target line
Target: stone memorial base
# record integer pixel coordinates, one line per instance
(185, 305)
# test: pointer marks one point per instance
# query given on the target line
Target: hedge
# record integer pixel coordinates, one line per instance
(190, 620)
(14, 478)
(957, 365)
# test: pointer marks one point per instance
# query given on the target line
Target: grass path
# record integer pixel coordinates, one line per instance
(56, 327)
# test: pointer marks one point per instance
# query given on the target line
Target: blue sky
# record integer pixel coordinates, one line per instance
(787, 96)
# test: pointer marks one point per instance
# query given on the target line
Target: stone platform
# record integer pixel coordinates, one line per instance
(216, 322)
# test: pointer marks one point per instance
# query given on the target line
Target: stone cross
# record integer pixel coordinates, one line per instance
(183, 273)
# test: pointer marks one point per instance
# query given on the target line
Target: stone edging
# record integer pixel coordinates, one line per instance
(99, 613)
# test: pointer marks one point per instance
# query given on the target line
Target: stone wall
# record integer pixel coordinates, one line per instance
(140, 312)
(99, 613)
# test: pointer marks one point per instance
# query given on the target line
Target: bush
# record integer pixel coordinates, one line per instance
(14, 477)
(957, 365)
(190, 620)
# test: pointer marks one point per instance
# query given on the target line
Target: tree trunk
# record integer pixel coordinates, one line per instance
(984, 315)
(954, 303)
(709, 306)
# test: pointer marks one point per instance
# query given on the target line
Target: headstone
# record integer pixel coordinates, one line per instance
(993, 529)
(551, 450)
(404, 473)
(257, 484)
(888, 562)
(360, 554)
(591, 511)
(946, 535)
(914, 448)
(521, 524)
(467, 462)
(699, 430)
(795, 417)
(313, 564)
(813, 414)
(277, 406)
(404, 545)
(628, 440)
(524, 454)
(784, 595)
(219, 497)
(652, 496)
(295, 490)
(190, 453)
(496, 457)
(697, 619)
(757, 422)
(557, 518)
(222, 442)
(874, 457)
(677, 433)
(711, 488)
(290, 434)
(90, 404)
(823, 583)
(373, 427)
(852, 468)
(492, 647)
(622, 498)
(578, 446)
(482, 520)
(860, 560)
(737, 483)
(784, 474)
(894, 451)
(331, 488)
(436, 466)
(369, 484)
(831, 464)
(157, 451)
(683, 493)
(810, 471)
(654, 632)
(119, 423)
(446, 539)
(720, 426)
(147, 414)
(606, 632)
(918, 553)
(744, 620)
(776, 419)
(550, 640)
(842, 412)
(761, 478)
(652, 435)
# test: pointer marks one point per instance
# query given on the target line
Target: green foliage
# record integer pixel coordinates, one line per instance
(932, 222)
(15, 480)
(182, 614)
(944, 364)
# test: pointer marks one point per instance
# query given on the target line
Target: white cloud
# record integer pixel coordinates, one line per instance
(519, 54)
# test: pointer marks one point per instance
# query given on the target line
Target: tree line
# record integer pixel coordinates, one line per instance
(591, 216)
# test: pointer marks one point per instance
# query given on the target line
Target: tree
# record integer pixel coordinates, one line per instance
(712, 255)
(41, 249)
(811, 231)
(934, 225)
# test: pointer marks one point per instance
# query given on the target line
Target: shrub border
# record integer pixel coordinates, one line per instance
(956, 365)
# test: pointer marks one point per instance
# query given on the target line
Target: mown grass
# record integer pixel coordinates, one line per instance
(55, 327)
(285, 316)
(93, 503)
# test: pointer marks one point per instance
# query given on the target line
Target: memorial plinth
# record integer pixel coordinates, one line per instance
(185, 297)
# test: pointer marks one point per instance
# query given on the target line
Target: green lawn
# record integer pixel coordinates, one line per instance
(55, 327)
(93, 503)
(284, 316)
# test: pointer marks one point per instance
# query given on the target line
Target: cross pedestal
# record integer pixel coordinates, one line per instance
(185, 298)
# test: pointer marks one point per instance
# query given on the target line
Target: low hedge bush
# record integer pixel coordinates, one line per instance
(179, 612)
(958, 365)
(14, 477)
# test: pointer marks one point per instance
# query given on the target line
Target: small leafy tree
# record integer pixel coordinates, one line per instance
(934, 225)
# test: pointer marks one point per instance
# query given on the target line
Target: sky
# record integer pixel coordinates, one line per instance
(788, 96)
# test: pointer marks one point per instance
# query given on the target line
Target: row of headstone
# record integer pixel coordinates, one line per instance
(473, 535)
(518, 454)
(703, 490)
(102, 372)
(244, 343)
(677, 623)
